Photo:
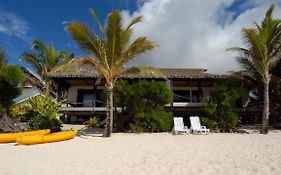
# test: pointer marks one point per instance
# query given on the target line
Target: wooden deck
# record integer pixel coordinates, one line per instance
(85, 110)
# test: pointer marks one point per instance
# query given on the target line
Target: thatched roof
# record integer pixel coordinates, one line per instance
(178, 73)
(77, 68)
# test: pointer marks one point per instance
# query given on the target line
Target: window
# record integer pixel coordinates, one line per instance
(181, 96)
(189, 96)
(85, 98)
(195, 96)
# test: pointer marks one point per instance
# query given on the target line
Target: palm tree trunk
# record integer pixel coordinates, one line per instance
(109, 112)
(265, 116)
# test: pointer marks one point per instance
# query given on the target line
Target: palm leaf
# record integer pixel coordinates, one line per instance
(87, 41)
(138, 47)
(113, 37)
(93, 13)
(33, 60)
(133, 22)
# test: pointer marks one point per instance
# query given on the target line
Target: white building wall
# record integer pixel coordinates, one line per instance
(73, 92)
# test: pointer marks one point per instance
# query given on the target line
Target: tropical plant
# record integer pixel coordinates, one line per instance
(10, 78)
(219, 105)
(20, 112)
(92, 122)
(142, 103)
(41, 112)
(109, 52)
(262, 50)
(43, 58)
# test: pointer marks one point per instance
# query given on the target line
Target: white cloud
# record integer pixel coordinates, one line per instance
(13, 25)
(195, 33)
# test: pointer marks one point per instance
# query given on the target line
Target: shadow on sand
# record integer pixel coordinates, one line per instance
(92, 132)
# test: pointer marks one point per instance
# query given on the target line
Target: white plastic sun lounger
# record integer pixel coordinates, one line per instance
(179, 126)
(196, 126)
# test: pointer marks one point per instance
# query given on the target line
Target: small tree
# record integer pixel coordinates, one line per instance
(220, 103)
(142, 103)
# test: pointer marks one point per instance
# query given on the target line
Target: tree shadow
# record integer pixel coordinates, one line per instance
(90, 132)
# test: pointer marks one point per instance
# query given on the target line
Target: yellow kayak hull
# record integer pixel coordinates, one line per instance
(12, 137)
(49, 138)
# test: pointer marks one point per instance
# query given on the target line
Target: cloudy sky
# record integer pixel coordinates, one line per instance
(189, 33)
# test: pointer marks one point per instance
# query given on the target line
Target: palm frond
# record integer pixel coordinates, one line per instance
(39, 49)
(93, 13)
(113, 37)
(138, 47)
(87, 41)
(33, 60)
(133, 22)
(32, 79)
(241, 50)
(100, 68)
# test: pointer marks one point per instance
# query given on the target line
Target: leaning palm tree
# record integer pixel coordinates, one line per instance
(43, 58)
(109, 52)
(263, 49)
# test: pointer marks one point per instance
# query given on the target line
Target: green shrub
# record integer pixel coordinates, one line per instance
(41, 112)
(220, 103)
(22, 112)
(209, 123)
(153, 121)
(142, 104)
(92, 122)
(10, 79)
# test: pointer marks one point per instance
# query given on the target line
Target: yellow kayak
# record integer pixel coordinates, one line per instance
(12, 137)
(53, 137)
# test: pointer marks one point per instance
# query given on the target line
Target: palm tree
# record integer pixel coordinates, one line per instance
(109, 52)
(43, 58)
(263, 49)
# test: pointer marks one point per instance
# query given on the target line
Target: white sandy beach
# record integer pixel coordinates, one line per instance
(136, 154)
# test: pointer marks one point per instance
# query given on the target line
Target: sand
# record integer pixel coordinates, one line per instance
(163, 153)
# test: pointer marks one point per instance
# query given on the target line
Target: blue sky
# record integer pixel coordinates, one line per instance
(190, 33)
(45, 20)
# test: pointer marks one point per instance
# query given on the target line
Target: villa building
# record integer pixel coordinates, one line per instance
(85, 86)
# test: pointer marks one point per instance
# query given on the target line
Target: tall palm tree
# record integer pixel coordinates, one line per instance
(109, 52)
(43, 58)
(263, 49)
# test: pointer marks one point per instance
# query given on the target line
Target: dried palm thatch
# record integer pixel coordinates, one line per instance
(77, 68)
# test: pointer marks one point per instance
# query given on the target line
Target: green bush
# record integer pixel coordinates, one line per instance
(41, 112)
(209, 123)
(92, 122)
(142, 104)
(10, 79)
(220, 103)
(154, 121)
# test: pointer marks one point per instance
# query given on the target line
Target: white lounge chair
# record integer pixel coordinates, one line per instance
(179, 126)
(196, 126)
